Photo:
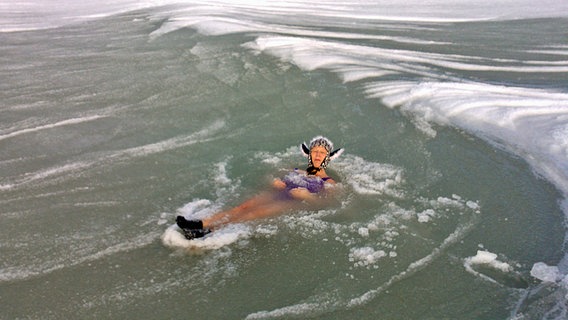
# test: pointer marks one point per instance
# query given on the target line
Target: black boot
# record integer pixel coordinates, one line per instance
(195, 233)
(183, 223)
(191, 228)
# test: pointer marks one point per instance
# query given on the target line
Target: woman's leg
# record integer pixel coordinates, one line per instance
(258, 207)
(262, 211)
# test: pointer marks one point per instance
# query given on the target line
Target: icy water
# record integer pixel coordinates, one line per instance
(116, 117)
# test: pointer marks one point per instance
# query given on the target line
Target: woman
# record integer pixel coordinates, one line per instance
(294, 191)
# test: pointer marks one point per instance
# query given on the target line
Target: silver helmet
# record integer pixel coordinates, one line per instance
(321, 141)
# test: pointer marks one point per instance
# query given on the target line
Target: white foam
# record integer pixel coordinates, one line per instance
(365, 256)
(198, 208)
(546, 273)
(43, 14)
(276, 158)
(367, 177)
(172, 143)
(49, 173)
(364, 232)
(426, 215)
(286, 312)
(224, 16)
(314, 53)
(489, 259)
(472, 205)
(528, 122)
(66, 122)
(266, 231)
(62, 261)
(174, 238)
(63, 171)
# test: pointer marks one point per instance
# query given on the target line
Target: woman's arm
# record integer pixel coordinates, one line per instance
(302, 194)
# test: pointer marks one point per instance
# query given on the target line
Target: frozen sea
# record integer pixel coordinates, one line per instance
(116, 116)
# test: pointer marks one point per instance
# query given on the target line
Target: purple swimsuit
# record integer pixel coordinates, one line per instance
(298, 180)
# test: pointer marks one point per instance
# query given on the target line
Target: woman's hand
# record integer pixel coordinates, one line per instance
(278, 184)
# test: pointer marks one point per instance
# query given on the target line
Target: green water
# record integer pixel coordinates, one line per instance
(106, 135)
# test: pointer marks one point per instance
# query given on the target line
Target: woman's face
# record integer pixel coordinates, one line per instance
(318, 155)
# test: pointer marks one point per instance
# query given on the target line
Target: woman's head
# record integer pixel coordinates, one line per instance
(320, 152)
(318, 155)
